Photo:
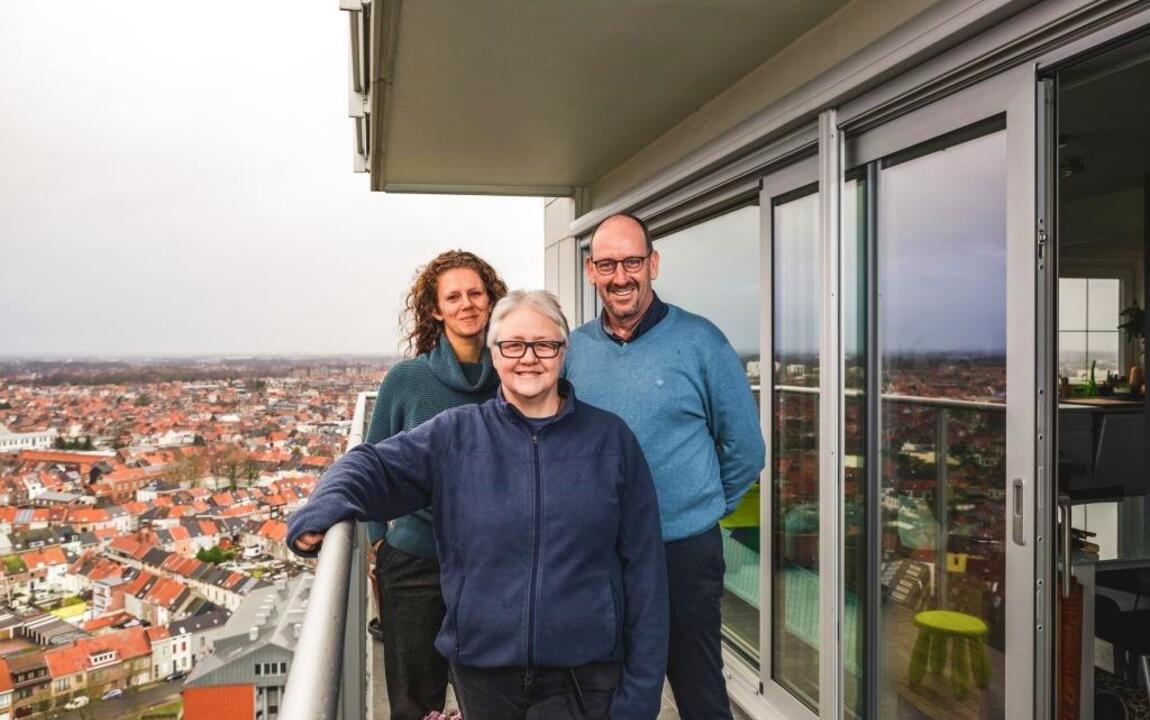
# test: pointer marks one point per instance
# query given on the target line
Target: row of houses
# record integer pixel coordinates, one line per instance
(43, 679)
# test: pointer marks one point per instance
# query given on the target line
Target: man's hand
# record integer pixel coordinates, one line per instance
(309, 542)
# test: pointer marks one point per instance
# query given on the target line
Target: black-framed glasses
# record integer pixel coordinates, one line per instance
(631, 264)
(543, 349)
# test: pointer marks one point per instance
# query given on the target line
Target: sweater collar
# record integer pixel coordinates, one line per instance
(655, 313)
(446, 369)
(566, 391)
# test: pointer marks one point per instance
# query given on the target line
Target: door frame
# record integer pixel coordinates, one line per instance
(1013, 96)
(800, 174)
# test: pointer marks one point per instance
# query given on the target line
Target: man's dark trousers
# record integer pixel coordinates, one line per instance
(695, 570)
(410, 612)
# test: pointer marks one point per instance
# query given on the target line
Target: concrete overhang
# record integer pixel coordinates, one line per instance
(538, 97)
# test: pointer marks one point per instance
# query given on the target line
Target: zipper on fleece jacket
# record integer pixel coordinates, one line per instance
(534, 556)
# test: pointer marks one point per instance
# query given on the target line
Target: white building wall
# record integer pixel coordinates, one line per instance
(182, 651)
(561, 272)
(14, 442)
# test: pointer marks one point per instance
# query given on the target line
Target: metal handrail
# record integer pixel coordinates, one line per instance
(320, 685)
(313, 683)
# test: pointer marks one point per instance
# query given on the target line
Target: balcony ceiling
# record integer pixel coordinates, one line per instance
(545, 94)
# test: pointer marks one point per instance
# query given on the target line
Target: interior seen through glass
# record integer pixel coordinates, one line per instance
(1103, 438)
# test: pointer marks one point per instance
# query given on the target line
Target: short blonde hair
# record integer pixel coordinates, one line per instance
(540, 301)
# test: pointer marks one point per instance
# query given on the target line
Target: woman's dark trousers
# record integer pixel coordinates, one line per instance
(540, 693)
(410, 613)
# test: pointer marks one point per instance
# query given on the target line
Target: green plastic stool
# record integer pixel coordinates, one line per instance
(966, 636)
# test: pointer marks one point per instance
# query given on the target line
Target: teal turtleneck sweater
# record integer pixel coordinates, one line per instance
(413, 392)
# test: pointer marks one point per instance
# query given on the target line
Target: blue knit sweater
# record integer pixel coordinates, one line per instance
(413, 392)
(683, 391)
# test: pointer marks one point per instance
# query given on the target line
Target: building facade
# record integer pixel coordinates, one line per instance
(255, 647)
(15, 442)
(923, 227)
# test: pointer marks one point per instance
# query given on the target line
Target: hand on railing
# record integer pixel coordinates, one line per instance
(309, 542)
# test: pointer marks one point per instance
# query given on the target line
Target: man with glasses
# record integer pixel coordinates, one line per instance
(677, 382)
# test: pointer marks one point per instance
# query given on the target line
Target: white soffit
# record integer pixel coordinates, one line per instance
(551, 94)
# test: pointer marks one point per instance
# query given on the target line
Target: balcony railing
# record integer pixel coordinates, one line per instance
(329, 676)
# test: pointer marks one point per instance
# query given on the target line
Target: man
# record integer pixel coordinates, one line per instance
(677, 382)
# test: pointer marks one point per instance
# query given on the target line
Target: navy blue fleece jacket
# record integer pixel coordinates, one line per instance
(413, 392)
(549, 542)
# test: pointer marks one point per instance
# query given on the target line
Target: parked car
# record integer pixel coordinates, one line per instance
(113, 693)
(178, 675)
(76, 703)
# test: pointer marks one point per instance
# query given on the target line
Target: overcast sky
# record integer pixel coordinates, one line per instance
(177, 179)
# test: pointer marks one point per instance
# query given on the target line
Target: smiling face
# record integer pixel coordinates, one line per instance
(625, 295)
(461, 304)
(530, 384)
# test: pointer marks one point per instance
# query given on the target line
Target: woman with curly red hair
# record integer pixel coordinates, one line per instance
(445, 317)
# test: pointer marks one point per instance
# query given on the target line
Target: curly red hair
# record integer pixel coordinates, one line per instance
(421, 330)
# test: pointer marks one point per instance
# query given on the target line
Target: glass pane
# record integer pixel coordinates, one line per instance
(854, 443)
(794, 449)
(942, 322)
(1072, 363)
(1102, 520)
(1102, 349)
(712, 269)
(1071, 303)
(1102, 304)
(726, 248)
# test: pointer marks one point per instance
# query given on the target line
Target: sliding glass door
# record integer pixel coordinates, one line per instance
(792, 267)
(885, 568)
(939, 397)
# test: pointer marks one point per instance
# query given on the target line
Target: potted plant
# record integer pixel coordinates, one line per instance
(1134, 325)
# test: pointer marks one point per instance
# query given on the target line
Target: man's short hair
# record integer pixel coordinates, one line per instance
(638, 220)
(540, 301)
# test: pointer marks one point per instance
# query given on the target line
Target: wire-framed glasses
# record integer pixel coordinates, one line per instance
(543, 349)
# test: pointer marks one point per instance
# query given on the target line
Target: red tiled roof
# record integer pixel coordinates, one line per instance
(220, 702)
(157, 632)
(128, 644)
(106, 621)
(274, 530)
(37, 559)
(138, 583)
(165, 592)
(88, 515)
(65, 661)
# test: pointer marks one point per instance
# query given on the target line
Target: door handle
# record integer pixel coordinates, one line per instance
(1064, 518)
(1019, 512)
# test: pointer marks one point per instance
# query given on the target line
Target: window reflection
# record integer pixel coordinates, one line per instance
(712, 269)
(942, 326)
(794, 447)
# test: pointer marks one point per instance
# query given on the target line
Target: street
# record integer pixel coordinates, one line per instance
(130, 704)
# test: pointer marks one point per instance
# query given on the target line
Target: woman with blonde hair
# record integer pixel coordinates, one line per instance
(446, 313)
